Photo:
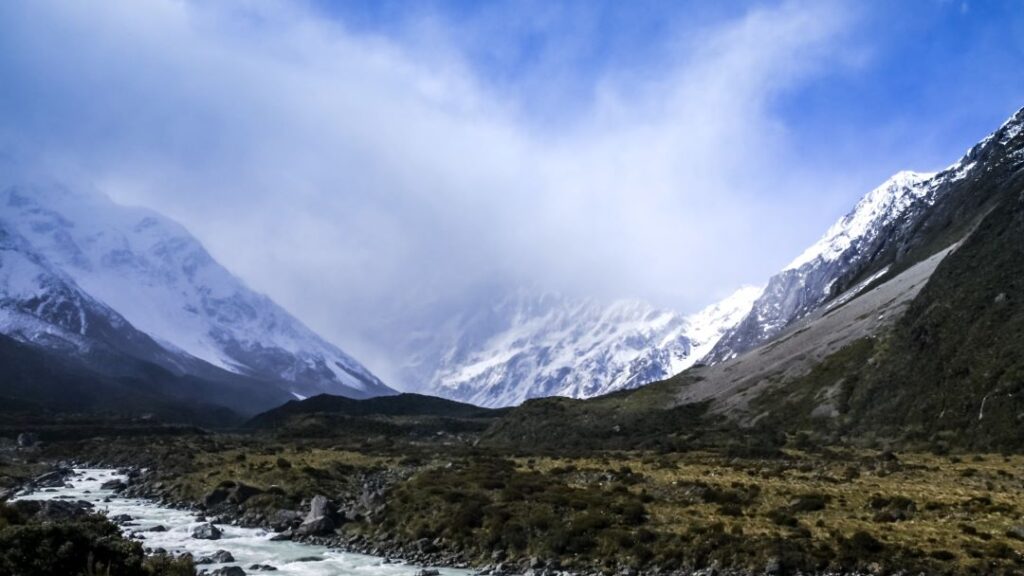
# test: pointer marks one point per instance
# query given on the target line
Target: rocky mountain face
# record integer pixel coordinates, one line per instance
(529, 345)
(947, 369)
(81, 275)
(893, 226)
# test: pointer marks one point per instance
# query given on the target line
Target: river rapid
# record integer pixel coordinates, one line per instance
(248, 546)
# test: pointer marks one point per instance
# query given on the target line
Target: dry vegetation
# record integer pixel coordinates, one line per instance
(812, 510)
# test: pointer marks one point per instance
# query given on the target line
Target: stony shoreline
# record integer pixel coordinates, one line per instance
(290, 524)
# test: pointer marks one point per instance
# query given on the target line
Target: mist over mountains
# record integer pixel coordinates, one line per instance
(89, 280)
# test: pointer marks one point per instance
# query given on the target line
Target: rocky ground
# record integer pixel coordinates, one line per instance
(797, 509)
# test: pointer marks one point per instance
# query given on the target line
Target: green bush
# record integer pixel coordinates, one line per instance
(81, 546)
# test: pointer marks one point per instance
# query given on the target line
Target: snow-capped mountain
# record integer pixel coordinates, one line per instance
(528, 345)
(881, 232)
(162, 282)
(64, 349)
(39, 304)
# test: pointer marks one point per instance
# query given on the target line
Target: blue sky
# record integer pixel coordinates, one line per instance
(948, 67)
(330, 151)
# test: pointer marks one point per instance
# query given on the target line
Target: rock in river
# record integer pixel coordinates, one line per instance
(218, 557)
(206, 532)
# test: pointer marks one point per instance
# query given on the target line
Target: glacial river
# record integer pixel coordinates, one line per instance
(249, 546)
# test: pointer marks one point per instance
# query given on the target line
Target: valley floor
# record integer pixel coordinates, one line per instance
(442, 501)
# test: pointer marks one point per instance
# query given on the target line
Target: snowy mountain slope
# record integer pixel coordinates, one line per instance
(529, 345)
(878, 209)
(77, 353)
(159, 278)
(893, 226)
(41, 305)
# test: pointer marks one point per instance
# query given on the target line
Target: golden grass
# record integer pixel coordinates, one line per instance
(939, 486)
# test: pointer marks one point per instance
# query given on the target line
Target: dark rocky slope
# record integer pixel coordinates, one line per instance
(905, 221)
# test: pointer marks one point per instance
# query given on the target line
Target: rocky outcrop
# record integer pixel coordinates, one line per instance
(321, 518)
(207, 532)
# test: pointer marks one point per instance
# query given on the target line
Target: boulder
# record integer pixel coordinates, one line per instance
(320, 520)
(27, 439)
(207, 532)
(116, 485)
(317, 527)
(262, 568)
(282, 537)
(319, 507)
(428, 572)
(284, 520)
(218, 557)
(228, 571)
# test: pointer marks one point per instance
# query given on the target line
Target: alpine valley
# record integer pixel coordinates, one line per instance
(449, 288)
(863, 413)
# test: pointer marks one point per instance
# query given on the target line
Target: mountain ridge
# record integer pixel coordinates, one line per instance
(74, 264)
(880, 231)
(529, 344)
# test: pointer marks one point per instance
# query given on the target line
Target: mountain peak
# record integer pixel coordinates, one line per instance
(884, 203)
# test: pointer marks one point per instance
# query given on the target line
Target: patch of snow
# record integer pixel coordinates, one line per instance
(1011, 132)
(960, 171)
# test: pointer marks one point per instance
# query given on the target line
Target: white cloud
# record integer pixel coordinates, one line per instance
(351, 175)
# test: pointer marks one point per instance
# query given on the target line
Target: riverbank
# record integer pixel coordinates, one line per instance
(217, 547)
(786, 512)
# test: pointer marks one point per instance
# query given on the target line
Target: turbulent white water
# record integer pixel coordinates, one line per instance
(249, 546)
